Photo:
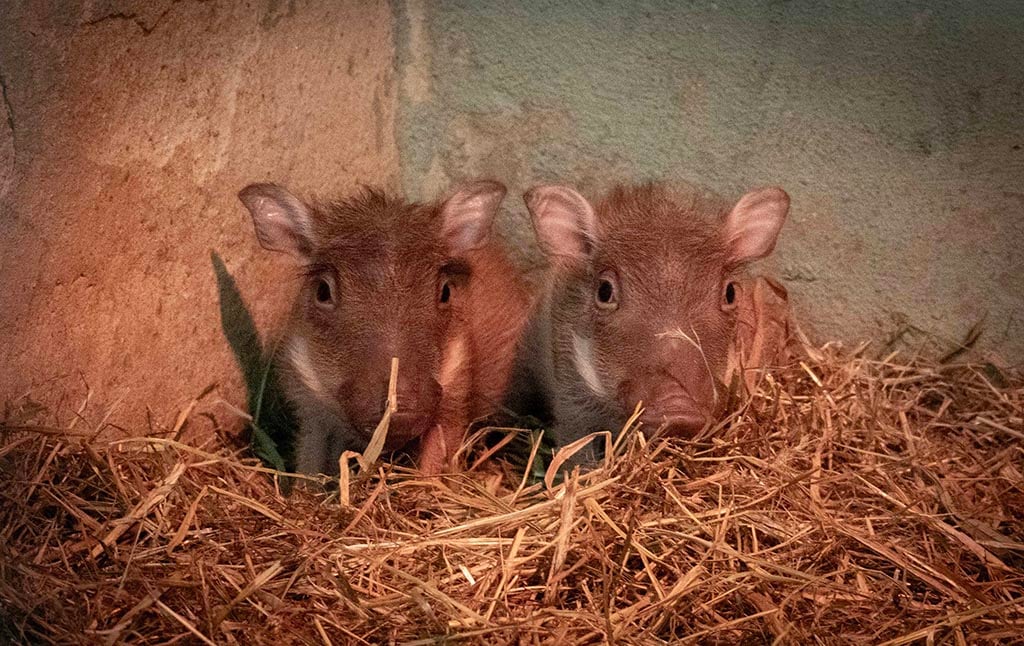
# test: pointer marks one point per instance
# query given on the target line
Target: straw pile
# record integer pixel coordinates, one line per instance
(852, 501)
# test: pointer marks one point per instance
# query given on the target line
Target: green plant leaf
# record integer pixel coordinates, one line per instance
(266, 449)
(273, 421)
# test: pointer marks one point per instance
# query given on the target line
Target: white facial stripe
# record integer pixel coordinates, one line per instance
(583, 359)
(452, 362)
(298, 354)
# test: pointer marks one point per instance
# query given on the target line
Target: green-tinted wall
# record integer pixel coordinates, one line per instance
(898, 129)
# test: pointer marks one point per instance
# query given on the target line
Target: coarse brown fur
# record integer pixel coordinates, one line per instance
(452, 316)
(668, 258)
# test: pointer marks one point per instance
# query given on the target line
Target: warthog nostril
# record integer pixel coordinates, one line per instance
(682, 425)
(420, 396)
(674, 411)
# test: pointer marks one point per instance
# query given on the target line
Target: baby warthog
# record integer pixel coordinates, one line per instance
(384, 278)
(639, 303)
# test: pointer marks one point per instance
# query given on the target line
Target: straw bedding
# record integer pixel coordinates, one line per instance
(849, 501)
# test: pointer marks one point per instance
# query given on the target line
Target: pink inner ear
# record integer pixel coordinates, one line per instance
(282, 221)
(563, 219)
(274, 229)
(468, 214)
(753, 225)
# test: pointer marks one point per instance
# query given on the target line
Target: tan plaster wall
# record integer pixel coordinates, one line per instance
(126, 130)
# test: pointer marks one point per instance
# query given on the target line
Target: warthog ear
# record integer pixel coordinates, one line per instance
(563, 220)
(283, 222)
(467, 215)
(752, 226)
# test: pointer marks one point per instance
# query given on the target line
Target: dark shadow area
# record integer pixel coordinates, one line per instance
(273, 422)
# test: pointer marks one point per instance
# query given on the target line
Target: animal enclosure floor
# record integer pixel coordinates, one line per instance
(851, 501)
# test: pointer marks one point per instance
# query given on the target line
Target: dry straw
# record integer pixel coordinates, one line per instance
(850, 501)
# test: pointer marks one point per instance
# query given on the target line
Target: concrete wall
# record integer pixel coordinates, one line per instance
(126, 130)
(127, 127)
(898, 129)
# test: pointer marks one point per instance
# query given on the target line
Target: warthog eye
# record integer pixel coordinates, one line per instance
(607, 294)
(452, 277)
(729, 296)
(324, 292)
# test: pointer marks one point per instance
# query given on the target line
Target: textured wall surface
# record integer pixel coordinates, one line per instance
(898, 129)
(126, 130)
